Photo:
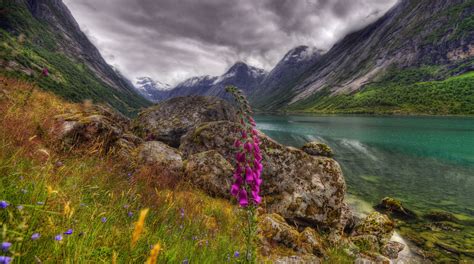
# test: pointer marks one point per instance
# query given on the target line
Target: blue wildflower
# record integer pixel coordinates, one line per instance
(58, 237)
(4, 204)
(130, 214)
(68, 232)
(6, 246)
(103, 219)
(35, 236)
(5, 260)
(236, 254)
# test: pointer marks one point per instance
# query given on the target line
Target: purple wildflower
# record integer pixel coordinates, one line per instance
(186, 261)
(68, 232)
(5, 260)
(4, 204)
(103, 219)
(236, 254)
(130, 214)
(6, 246)
(35, 236)
(181, 212)
(58, 237)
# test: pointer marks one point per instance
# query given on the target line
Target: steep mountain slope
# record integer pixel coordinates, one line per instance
(415, 41)
(154, 91)
(38, 34)
(246, 77)
(286, 73)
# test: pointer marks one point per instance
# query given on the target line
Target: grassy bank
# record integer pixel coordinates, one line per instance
(397, 93)
(50, 191)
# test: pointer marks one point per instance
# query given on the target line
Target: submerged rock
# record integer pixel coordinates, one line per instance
(317, 148)
(168, 121)
(304, 189)
(395, 209)
(440, 216)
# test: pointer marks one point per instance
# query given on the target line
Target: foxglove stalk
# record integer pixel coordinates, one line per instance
(248, 170)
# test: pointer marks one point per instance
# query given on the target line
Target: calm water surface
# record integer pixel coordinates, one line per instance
(427, 162)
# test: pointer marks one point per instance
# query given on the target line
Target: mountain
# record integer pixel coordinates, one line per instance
(39, 34)
(240, 74)
(287, 72)
(416, 58)
(154, 91)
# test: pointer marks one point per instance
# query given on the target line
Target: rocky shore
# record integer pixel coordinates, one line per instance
(304, 214)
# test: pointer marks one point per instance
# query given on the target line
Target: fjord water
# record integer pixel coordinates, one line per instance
(426, 162)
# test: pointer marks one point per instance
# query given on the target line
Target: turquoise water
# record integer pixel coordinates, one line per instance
(427, 162)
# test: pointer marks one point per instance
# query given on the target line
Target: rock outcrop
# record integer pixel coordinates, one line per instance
(395, 209)
(316, 148)
(275, 232)
(376, 229)
(170, 120)
(304, 189)
(97, 127)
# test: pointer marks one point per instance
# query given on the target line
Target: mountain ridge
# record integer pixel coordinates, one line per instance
(41, 34)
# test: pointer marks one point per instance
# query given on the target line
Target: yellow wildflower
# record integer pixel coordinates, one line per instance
(154, 254)
(139, 226)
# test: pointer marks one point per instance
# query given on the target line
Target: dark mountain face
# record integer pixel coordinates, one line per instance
(413, 34)
(285, 74)
(57, 42)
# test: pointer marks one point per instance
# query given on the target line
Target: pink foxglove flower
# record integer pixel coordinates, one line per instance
(246, 186)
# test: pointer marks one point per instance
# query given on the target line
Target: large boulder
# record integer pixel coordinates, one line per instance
(95, 127)
(304, 189)
(155, 153)
(168, 121)
(209, 171)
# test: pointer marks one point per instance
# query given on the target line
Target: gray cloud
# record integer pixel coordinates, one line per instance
(170, 40)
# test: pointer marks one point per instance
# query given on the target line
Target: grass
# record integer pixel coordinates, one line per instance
(51, 191)
(409, 91)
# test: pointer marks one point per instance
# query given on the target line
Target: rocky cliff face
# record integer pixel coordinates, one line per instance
(51, 38)
(285, 74)
(412, 34)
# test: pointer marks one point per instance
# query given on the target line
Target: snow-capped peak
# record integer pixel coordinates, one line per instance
(146, 83)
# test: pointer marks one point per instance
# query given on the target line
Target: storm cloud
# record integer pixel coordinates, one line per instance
(171, 40)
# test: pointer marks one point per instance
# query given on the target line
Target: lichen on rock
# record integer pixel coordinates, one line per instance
(304, 189)
(316, 148)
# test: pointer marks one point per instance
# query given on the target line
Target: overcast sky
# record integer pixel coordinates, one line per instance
(171, 40)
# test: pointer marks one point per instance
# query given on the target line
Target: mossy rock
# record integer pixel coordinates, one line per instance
(317, 148)
(440, 216)
(395, 209)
